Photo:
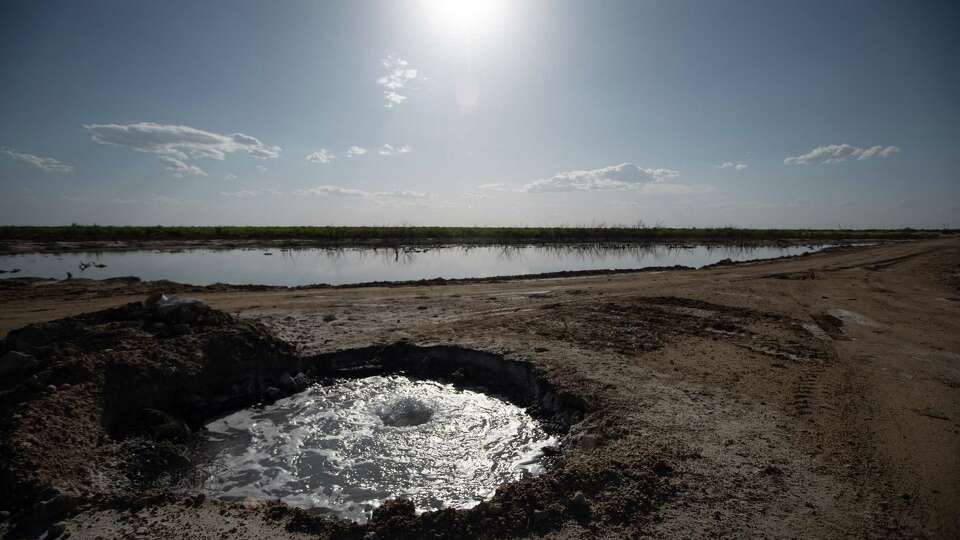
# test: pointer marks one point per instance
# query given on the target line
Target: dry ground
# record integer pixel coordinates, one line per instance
(809, 397)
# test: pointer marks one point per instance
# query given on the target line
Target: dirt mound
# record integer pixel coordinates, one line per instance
(101, 413)
(105, 403)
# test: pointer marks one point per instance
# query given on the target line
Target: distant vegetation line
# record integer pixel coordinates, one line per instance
(396, 235)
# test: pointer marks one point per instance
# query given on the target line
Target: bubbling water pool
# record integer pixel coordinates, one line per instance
(349, 446)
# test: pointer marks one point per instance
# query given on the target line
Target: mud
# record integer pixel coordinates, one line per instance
(723, 402)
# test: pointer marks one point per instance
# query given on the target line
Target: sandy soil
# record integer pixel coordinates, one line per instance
(810, 397)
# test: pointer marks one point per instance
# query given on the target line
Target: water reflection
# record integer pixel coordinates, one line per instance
(292, 267)
(349, 446)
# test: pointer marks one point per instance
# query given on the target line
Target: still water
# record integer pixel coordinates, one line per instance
(349, 446)
(292, 267)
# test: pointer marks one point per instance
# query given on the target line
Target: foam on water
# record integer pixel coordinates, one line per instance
(349, 446)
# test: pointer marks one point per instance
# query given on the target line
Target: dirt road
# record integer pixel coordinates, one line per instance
(817, 396)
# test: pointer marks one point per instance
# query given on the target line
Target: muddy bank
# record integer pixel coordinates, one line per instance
(105, 411)
(812, 397)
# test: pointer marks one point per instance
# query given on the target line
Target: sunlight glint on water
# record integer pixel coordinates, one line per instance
(349, 446)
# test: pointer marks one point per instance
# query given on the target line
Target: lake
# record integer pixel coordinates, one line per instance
(293, 267)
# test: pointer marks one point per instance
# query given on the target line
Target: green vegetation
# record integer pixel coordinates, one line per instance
(424, 235)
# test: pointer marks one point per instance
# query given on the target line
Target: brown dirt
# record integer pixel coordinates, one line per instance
(810, 397)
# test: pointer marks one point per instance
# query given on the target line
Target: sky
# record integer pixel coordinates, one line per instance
(471, 112)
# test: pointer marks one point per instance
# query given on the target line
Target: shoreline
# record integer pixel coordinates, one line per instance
(782, 398)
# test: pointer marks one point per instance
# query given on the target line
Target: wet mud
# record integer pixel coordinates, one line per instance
(811, 397)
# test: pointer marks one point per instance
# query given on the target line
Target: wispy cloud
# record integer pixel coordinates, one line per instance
(180, 142)
(356, 151)
(230, 176)
(323, 156)
(45, 163)
(338, 191)
(384, 199)
(732, 165)
(389, 150)
(249, 193)
(179, 168)
(835, 153)
(177, 144)
(625, 176)
(497, 186)
(398, 75)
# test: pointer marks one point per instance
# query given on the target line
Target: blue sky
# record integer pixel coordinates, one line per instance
(462, 112)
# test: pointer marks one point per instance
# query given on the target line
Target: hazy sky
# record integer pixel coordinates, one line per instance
(448, 112)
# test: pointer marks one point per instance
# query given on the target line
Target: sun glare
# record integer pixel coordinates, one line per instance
(468, 19)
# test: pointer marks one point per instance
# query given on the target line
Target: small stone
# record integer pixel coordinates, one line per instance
(580, 499)
(329, 317)
(550, 450)
(589, 442)
(287, 382)
(272, 392)
(662, 468)
(56, 530)
(16, 362)
(181, 329)
(51, 388)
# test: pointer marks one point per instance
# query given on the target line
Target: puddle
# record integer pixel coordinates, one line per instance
(348, 446)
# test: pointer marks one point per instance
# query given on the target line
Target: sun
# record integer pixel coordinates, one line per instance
(464, 19)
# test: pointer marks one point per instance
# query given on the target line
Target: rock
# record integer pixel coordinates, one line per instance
(16, 363)
(287, 382)
(589, 442)
(580, 506)
(52, 389)
(662, 468)
(181, 329)
(272, 393)
(550, 450)
(164, 426)
(56, 530)
(175, 310)
(329, 317)
(154, 298)
(394, 509)
(4, 515)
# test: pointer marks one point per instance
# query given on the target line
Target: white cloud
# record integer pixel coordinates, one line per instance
(835, 153)
(179, 168)
(262, 168)
(249, 193)
(45, 163)
(180, 142)
(625, 176)
(356, 151)
(497, 186)
(399, 74)
(321, 156)
(337, 191)
(732, 165)
(389, 150)
(230, 176)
